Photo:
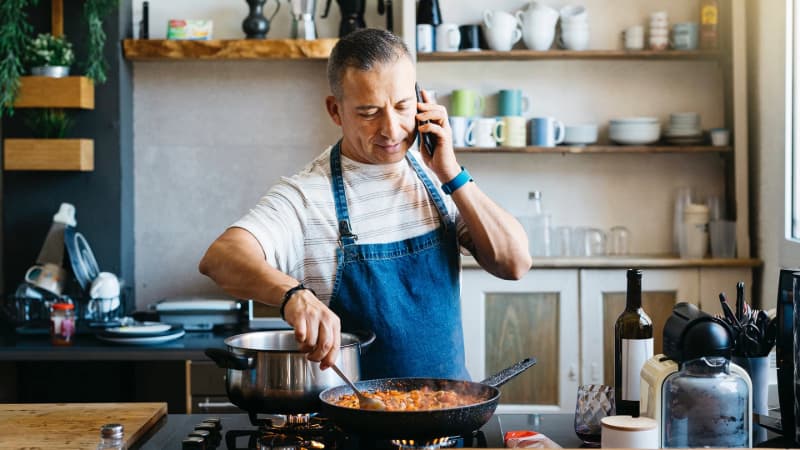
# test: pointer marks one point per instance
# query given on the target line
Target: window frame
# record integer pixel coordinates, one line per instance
(789, 252)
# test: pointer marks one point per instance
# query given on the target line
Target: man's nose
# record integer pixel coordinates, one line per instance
(392, 126)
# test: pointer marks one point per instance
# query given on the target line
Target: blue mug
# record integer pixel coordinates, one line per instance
(512, 102)
(546, 132)
(685, 36)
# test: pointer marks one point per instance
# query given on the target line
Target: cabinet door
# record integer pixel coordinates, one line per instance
(714, 280)
(507, 321)
(602, 301)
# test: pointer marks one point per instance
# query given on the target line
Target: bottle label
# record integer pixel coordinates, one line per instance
(635, 352)
(708, 15)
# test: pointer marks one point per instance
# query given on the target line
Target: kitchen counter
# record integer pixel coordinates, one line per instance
(86, 347)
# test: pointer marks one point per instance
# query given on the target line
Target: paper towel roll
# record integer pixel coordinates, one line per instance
(628, 432)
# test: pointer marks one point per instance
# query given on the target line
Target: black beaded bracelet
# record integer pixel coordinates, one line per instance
(288, 295)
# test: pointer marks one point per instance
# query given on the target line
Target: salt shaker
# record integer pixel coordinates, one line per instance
(111, 437)
(62, 323)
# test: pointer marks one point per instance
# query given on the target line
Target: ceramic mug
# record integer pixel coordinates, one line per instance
(546, 132)
(513, 131)
(538, 25)
(512, 102)
(425, 33)
(633, 37)
(448, 37)
(470, 37)
(466, 103)
(685, 36)
(458, 125)
(484, 132)
(47, 276)
(501, 29)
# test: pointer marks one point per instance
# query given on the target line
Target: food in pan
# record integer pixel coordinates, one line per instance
(423, 399)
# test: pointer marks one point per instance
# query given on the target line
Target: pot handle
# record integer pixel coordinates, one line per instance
(227, 360)
(506, 375)
(365, 337)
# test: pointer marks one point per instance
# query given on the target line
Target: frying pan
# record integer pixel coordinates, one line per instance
(420, 424)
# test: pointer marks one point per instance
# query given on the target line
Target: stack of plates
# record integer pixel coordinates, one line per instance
(634, 130)
(142, 333)
(684, 128)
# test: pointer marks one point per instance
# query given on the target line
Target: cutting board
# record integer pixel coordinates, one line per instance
(72, 425)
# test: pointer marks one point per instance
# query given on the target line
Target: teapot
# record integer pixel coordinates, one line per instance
(352, 12)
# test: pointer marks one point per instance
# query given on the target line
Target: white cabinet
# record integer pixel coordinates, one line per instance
(602, 299)
(507, 321)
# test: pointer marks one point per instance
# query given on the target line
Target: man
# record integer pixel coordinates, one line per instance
(366, 237)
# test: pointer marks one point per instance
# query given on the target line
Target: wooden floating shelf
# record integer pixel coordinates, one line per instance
(169, 49)
(600, 149)
(624, 262)
(49, 92)
(484, 55)
(49, 154)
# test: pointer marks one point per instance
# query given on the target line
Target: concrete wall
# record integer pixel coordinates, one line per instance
(211, 137)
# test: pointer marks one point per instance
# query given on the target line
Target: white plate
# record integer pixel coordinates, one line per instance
(143, 328)
(142, 340)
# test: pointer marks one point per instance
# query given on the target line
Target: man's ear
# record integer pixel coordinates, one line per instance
(333, 109)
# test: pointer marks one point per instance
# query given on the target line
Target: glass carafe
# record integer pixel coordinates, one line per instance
(705, 405)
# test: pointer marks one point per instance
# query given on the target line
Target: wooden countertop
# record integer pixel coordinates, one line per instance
(73, 425)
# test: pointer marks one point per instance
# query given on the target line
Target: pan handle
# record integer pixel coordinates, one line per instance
(227, 360)
(500, 378)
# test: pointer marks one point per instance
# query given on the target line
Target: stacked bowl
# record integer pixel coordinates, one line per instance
(659, 30)
(574, 27)
(634, 130)
(684, 128)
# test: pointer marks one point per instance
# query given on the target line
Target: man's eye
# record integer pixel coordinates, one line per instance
(369, 113)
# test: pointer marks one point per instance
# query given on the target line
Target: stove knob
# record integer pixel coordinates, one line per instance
(203, 434)
(211, 428)
(194, 443)
(216, 421)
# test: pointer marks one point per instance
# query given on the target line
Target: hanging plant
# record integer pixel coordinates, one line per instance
(93, 13)
(14, 34)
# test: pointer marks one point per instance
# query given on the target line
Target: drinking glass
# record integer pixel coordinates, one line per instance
(595, 242)
(595, 401)
(578, 241)
(619, 241)
(561, 241)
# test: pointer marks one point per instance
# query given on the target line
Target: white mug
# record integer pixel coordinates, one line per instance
(501, 29)
(448, 37)
(634, 37)
(47, 276)
(458, 125)
(425, 38)
(484, 132)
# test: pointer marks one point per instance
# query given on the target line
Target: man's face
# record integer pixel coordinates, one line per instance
(376, 112)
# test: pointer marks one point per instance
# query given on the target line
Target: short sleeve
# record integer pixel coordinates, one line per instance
(278, 223)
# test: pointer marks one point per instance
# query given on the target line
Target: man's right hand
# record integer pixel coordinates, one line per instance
(316, 327)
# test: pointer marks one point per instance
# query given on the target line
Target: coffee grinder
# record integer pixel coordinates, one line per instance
(352, 15)
(689, 334)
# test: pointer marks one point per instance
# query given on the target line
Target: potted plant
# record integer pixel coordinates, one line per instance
(50, 56)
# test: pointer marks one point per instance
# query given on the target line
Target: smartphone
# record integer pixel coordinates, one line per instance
(427, 139)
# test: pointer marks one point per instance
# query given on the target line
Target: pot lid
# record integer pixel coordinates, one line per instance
(81, 257)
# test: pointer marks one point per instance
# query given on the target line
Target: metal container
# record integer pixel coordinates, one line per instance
(267, 372)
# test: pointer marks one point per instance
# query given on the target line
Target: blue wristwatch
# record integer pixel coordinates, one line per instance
(461, 179)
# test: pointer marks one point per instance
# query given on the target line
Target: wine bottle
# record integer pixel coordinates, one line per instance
(633, 346)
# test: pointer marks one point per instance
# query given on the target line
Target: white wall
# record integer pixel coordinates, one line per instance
(211, 137)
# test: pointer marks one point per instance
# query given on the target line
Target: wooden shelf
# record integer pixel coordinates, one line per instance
(600, 149)
(621, 262)
(485, 55)
(49, 154)
(168, 49)
(49, 92)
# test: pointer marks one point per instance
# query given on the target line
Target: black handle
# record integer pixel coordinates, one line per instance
(389, 16)
(327, 9)
(505, 375)
(381, 7)
(227, 360)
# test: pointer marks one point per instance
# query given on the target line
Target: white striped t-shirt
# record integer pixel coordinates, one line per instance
(295, 222)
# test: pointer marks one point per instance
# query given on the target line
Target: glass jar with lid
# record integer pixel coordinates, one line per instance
(62, 323)
(706, 405)
(111, 437)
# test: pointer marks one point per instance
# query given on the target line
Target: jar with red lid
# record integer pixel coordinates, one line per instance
(62, 323)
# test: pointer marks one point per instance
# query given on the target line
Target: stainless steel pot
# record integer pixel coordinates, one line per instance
(267, 372)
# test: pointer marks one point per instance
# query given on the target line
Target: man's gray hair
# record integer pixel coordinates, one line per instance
(362, 50)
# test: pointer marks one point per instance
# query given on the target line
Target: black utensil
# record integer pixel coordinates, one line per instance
(729, 316)
(740, 300)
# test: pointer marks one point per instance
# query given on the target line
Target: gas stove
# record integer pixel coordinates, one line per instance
(312, 431)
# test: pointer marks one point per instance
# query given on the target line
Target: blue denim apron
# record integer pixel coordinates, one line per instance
(407, 292)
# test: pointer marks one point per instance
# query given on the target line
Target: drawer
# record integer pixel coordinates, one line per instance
(207, 379)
